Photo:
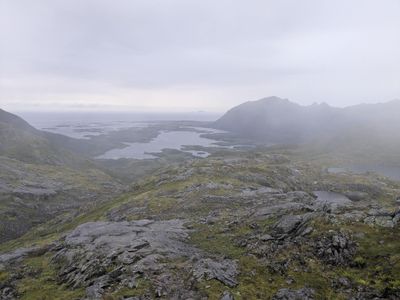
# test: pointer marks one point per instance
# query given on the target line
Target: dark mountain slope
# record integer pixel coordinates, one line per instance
(277, 120)
(40, 179)
(23, 142)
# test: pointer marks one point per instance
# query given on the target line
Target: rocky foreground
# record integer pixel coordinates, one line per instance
(253, 225)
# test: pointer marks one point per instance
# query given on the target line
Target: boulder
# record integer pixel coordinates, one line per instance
(356, 195)
(288, 224)
(292, 225)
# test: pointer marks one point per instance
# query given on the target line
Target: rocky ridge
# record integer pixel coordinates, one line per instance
(249, 226)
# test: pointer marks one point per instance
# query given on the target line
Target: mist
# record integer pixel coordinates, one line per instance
(173, 149)
(179, 56)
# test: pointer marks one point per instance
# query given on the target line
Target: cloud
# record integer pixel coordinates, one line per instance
(198, 54)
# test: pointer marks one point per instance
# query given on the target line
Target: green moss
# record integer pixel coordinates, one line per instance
(214, 239)
(143, 286)
(161, 205)
(41, 284)
(4, 276)
(376, 263)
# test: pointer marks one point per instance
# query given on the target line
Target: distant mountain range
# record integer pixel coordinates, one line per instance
(276, 120)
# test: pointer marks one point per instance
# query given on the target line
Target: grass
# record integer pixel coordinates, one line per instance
(143, 287)
(376, 264)
(42, 284)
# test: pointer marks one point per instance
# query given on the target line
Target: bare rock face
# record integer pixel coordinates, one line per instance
(224, 271)
(289, 294)
(144, 235)
(382, 217)
(292, 225)
(103, 255)
(20, 253)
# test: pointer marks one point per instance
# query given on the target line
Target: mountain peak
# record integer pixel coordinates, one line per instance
(271, 100)
(277, 120)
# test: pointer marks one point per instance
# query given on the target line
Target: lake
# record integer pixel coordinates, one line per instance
(85, 125)
(82, 125)
(165, 140)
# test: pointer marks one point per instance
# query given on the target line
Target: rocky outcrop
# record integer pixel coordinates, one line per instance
(224, 271)
(382, 217)
(103, 255)
(292, 225)
(336, 248)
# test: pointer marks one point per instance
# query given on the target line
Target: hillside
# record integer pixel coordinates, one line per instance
(40, 180)
(23, 142)
(237, 225)
(276, 120)
(243, 223)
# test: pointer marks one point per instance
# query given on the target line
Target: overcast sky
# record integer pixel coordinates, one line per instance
(196, 54)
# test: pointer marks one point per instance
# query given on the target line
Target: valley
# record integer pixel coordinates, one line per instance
(246, 221)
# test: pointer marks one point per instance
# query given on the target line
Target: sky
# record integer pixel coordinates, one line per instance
(190, 55)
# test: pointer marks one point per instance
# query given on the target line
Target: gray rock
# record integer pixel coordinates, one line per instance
(288, 224)
(260, 192)
(353, 216)
(266, 237)
(289, 294)
(106, 237)
(356, 195)
(336, 249)
(280, 209)
(227, 296)
(381, 218)
(134, 249)
(379, 212)
(293, 225)
(127, 248)
(396, 218)
(8, 293)
(224, 271)
(19, 254)
(300, 197)
(384, 221)
(96, 290)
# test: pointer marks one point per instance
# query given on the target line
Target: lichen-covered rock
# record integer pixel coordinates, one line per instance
(382, 217)
(99, 255)
(292, 225)
(224, 271)
(335, 249)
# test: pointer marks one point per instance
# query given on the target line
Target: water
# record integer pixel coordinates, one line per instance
(332, 199)
(165, 140)
(392, 172)
(82, 125)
